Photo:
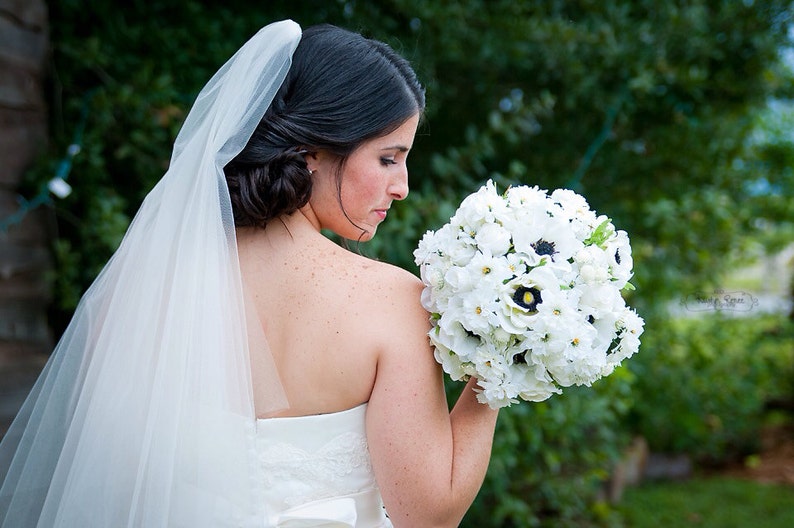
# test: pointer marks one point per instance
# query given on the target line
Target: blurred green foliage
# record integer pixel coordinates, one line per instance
(658, 112)
(703, 384)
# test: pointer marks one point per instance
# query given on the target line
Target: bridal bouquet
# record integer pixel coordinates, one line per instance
(524, 290)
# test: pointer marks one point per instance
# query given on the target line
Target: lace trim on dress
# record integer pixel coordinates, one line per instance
(321, 472)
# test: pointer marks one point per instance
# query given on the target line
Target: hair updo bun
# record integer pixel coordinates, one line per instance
(262, 192)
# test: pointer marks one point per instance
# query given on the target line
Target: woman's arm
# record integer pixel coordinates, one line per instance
(429, 463)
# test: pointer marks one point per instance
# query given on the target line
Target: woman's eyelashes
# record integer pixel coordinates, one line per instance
(388, 161)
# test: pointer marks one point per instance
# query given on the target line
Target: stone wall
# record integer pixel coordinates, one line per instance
(25, 340)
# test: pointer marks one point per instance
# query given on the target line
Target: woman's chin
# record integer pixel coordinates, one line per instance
(368, 235)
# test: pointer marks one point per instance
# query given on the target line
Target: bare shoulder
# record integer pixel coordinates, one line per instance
(388, 299)
(393, 289)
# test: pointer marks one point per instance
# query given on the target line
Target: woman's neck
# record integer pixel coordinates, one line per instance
(297, 231)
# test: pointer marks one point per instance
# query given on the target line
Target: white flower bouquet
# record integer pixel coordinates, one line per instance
(524, 291)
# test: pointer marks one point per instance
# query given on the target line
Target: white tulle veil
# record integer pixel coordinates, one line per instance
(144, 414)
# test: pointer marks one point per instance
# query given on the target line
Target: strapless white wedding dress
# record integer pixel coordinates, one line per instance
(317, 473)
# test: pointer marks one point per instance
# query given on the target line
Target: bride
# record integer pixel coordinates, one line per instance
(231, 365)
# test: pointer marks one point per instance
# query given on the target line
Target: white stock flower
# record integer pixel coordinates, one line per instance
(427, 246)
(524, 198)
(483, 206)
(631, 327)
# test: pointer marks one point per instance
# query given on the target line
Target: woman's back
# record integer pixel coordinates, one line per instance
(326, 312)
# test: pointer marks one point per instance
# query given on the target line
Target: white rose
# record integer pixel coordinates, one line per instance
(493, 239)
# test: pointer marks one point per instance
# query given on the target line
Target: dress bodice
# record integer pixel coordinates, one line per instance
(317, 472)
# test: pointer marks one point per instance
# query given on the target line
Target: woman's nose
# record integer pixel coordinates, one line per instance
(399, 187)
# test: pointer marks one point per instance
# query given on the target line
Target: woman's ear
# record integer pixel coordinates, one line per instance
(313, 159)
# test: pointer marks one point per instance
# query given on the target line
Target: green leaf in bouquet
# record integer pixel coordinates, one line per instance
(600, 234)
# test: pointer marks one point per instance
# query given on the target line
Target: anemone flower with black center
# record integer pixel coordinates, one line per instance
(527, 298)
(544, 247)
